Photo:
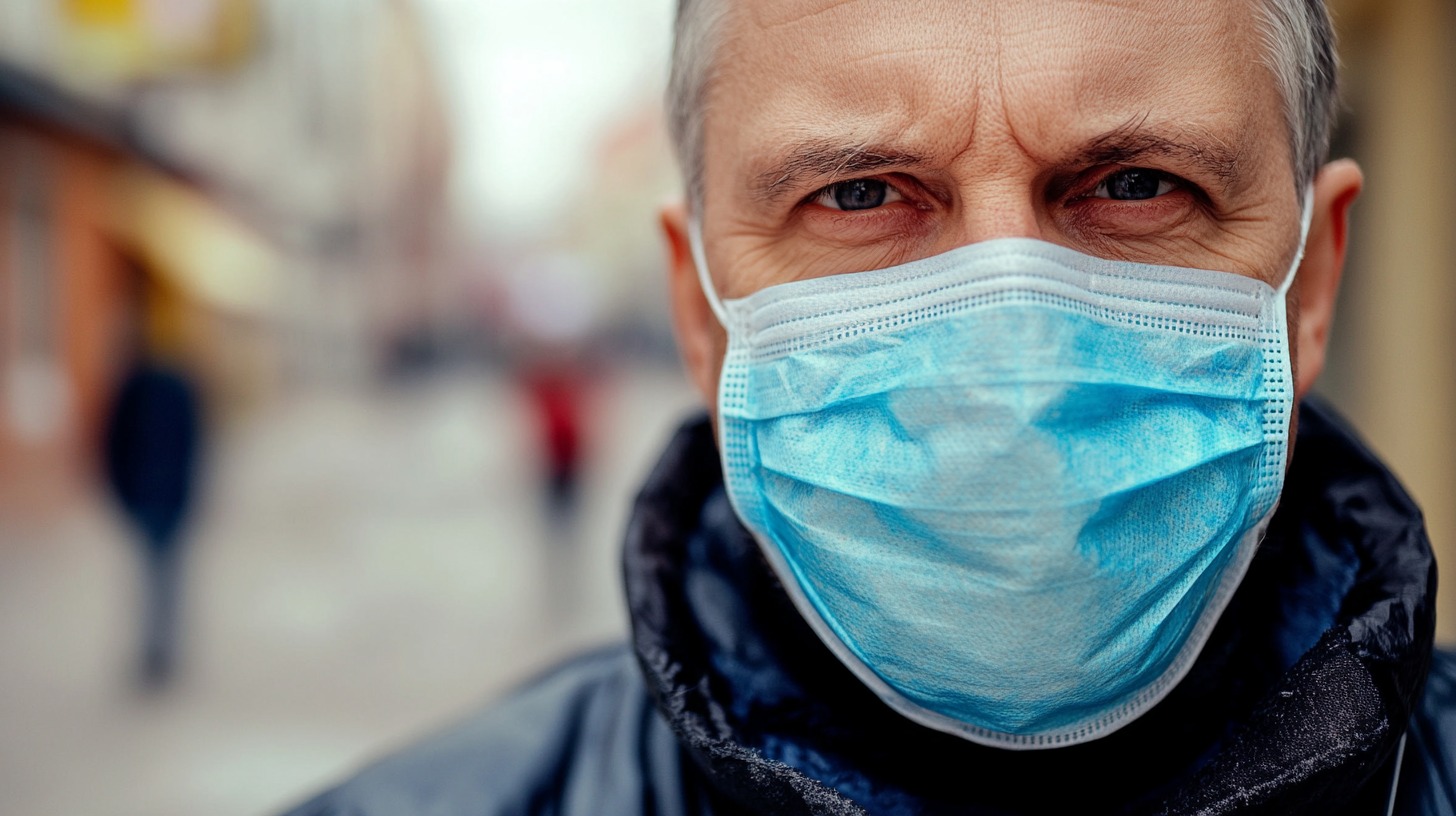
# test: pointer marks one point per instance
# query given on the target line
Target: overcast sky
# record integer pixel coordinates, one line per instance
(531, 85)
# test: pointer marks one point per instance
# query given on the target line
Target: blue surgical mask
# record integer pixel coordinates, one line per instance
(1013, 486)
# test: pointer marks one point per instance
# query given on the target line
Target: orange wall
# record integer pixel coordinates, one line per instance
(38, 477)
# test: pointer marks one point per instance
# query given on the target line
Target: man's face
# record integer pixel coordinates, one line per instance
(847, 136)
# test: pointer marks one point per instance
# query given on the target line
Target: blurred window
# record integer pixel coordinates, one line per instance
(31, 372)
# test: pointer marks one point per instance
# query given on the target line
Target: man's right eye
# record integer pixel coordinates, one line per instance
(858, 194)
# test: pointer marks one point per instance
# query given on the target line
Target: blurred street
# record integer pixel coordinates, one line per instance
(368, 564)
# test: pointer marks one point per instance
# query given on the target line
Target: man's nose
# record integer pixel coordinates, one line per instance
(995, 209)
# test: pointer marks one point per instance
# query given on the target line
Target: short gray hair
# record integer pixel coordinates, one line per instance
(1299, 49)
(1298, 36)
(695, 40)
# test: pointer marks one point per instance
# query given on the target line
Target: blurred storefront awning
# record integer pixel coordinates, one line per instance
(194, 245)
(204, 251)
(30, 97)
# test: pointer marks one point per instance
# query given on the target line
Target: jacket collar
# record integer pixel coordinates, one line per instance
(1295, 704)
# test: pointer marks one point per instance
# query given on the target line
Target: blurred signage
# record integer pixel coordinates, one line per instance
(116, 41)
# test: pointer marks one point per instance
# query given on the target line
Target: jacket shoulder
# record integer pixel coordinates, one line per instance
(581, 739)
(1428, 772)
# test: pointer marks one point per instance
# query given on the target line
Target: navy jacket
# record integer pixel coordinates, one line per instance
(152, 446)
(1318, 692)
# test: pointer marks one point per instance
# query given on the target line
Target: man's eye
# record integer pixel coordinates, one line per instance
(859, 194)
(1134, 185)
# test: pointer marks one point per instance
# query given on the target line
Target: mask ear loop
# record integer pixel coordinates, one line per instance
(700, 260)
(1305, 219)
(1281, 306)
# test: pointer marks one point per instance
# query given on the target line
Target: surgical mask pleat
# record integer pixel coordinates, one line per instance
(1006, 346)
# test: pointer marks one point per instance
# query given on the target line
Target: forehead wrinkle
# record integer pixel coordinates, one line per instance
(899, 52)
(765, 20)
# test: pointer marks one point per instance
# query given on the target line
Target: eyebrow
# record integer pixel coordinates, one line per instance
(1129, 143)
(1192, 145)
(821, 158)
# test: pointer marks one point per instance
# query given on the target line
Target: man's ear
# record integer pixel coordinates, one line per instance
(700, 339)
(1335, 189)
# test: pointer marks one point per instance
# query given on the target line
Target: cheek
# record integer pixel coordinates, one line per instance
(755, 260)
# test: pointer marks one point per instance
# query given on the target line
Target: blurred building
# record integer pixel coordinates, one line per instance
(333, 137)
(614, 222)
(318, 121)
(106, 253)
(1391, 366)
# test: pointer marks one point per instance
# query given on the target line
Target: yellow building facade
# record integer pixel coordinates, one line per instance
(1392, 367)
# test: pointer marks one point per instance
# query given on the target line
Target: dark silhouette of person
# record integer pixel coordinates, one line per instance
(152, 446)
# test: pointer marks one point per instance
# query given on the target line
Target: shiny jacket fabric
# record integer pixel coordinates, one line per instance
(1318, 693)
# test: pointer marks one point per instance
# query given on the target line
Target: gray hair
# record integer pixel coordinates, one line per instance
(695, 39)
(1299, 49)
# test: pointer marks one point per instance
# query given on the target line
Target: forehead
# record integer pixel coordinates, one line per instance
(948, 72)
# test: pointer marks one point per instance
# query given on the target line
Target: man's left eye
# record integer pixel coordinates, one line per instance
(859, 194)
(1134, 185)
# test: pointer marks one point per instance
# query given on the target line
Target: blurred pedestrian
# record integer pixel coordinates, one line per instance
(152, 446)
(552, 312)
(558, 395)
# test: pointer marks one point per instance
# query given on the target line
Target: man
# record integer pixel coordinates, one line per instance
(1004, 313)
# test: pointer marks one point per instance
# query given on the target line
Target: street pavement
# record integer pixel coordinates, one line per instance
(367, 565)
